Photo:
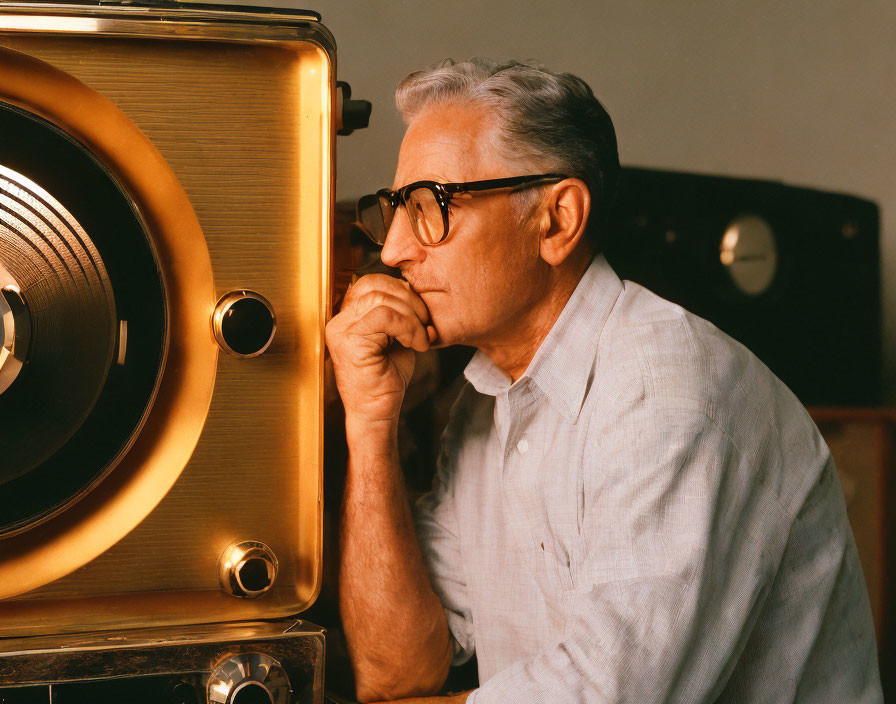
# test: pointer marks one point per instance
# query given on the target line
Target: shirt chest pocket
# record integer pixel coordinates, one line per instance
(543, 503)
(556, 565)
(555, 580)
(548, 556)
(559, 538)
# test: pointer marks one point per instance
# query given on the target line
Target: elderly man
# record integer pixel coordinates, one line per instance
(628, 506)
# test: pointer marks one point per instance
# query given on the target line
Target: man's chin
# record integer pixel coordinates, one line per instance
(446, 337)
(443, 337)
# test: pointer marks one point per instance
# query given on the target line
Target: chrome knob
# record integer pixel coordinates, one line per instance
(244, 323)
(249, 678)
(247, 569)
(15, 330)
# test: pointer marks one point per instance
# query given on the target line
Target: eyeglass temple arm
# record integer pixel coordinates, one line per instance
(497, 183)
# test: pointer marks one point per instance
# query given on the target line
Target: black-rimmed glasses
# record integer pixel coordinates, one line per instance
(426, 203)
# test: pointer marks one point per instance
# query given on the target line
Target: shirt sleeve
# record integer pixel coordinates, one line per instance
(683, 538)
(436, 525)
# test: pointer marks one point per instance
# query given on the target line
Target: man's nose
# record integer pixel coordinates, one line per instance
(401, 245)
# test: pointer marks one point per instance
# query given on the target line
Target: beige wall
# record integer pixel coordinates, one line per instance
(800, 91)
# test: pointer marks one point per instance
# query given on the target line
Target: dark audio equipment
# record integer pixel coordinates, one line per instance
(792, 273)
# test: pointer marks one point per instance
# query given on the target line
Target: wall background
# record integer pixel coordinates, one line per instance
(802, 92)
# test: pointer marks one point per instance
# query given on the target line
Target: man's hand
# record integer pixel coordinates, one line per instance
(387, 604)
(372, 342)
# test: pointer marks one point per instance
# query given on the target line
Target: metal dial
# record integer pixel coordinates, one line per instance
(247, 569)
(248, 678)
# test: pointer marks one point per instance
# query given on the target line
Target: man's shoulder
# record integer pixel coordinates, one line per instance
(666, 378)
(662, 355)
(658, 340)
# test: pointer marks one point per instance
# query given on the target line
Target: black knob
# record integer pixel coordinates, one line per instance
(183, 693)
(351, 114)
(244, 323)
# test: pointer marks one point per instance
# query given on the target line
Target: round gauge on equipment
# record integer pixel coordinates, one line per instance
(749, 253)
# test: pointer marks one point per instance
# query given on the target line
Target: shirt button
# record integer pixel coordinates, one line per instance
(523, 446)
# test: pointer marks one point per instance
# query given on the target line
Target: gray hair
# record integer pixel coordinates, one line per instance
(546, 120)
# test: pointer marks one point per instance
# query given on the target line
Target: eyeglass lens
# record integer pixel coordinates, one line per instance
(426, 216)
(376, 213)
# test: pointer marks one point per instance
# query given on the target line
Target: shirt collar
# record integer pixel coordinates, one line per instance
(562, 365)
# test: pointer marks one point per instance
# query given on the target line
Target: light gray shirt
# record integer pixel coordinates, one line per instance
(647, 515)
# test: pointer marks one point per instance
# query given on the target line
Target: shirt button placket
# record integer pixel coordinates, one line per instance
(519, 404)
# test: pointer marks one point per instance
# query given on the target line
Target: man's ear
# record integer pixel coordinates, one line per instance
(565, 217)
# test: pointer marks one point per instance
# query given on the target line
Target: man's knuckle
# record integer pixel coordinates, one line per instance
(377, 298)
(385, 313)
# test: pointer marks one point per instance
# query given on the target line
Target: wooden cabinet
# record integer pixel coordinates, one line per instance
(863, 444)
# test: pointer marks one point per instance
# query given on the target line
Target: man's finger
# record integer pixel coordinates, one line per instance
(388, 322)
(386, 284)
(376, 298)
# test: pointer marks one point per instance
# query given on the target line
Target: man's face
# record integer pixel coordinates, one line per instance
(488, 273)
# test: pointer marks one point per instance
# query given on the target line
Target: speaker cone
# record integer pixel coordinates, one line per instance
(84, 328)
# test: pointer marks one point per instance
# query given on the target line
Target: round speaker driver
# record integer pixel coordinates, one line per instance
(85, 330)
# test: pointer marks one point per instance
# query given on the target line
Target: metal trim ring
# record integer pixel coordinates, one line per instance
(225, 305)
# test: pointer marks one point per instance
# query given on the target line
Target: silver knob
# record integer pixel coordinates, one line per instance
(247, 569)
(15, 330)
(249, 678)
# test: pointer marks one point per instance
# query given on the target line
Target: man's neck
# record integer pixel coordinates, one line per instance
(513, 352)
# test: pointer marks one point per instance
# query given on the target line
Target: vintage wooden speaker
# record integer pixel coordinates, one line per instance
(166, 176)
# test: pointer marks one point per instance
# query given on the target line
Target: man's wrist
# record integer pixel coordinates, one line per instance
(371, 433)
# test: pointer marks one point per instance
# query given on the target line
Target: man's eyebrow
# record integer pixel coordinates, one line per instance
(438, 178)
